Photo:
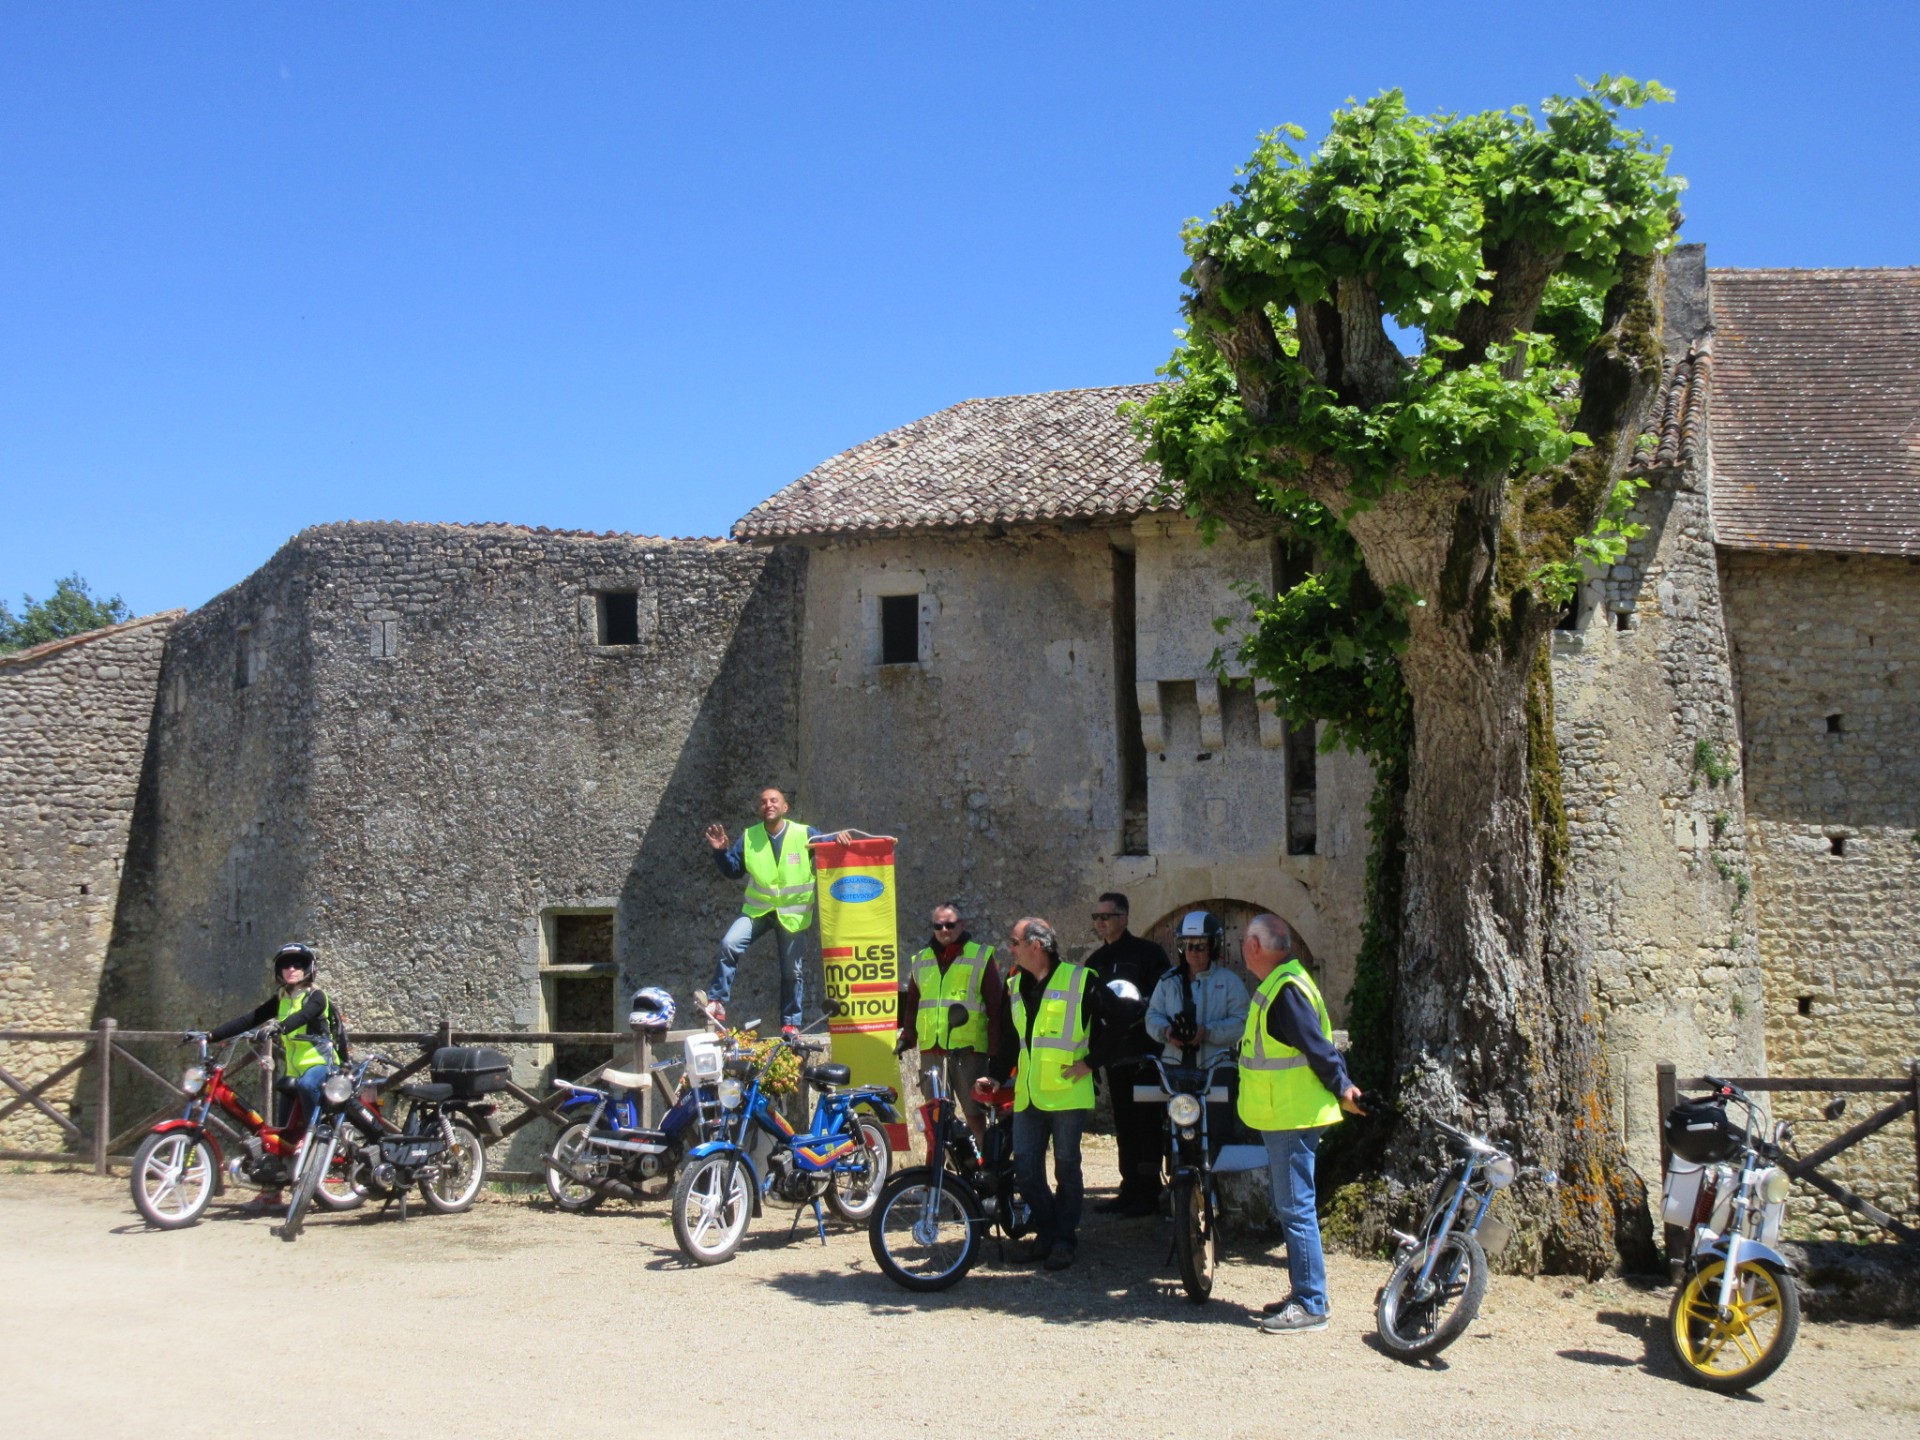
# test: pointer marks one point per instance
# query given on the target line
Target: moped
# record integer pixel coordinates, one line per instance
(842, 1157)
(925, 1231)
(607, 1151)
(180, 1166)
(1191, 1092)
(1736, 1312)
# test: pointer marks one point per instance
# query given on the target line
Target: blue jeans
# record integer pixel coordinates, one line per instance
(1290, 1158)
(793, 953)
(1056, 1212)
(307, 1086)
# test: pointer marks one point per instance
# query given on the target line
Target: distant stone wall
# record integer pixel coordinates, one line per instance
(74, 718)
(1828, 649)
(434, 760)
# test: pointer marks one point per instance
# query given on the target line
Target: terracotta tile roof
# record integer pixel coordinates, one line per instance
(1056, 456)
(1678, 425)
(1816, 410)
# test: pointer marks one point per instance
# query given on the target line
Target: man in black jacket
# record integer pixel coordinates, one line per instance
(1136, 1127)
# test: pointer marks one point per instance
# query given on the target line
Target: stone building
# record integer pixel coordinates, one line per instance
(75, 715)
(471, 763)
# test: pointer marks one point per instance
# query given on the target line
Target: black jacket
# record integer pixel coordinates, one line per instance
(1110, 1019)
(1140, 960)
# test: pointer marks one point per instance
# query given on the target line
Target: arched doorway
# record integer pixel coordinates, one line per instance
(1234, 915)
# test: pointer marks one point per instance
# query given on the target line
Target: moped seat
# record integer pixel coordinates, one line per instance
(429, 1093)
(627, 1079)
(284, 1085)
(831, 1073)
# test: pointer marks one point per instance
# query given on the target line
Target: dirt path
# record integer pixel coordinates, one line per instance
(515, 1320)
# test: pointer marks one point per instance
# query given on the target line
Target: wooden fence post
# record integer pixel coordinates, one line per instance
(443, 1035)
(103, 1123)
(1667, 1085)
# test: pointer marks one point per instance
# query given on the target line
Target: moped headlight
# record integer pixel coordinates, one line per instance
(1500, 1171)
(1184, 1109)
(730, 1094)
(195, 1079)
(337, 1088)
(1775, 1185)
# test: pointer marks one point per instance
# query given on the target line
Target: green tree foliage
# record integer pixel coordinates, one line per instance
(70, 610)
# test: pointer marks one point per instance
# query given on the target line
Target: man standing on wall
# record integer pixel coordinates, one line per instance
(953, 978)
(778, 865)
(1123, 955)
(1293, 1085)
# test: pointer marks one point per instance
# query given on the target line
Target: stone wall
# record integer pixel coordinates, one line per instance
(74, 719)
(435, 761)
(1828, 651)
(1658, 867)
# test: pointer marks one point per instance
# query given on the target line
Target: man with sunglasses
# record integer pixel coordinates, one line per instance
(1122, 955)
(952, 1000)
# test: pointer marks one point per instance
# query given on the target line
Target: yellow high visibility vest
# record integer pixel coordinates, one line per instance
(783, 885)
(1059, 1039)
(959, 985)
(300, 1051)
(1278, 1089)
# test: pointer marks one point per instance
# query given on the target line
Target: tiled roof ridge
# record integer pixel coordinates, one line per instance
(1678, 424)
(86, 637)
(1741, 272)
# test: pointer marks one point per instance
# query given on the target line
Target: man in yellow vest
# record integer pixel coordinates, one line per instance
(1293, 1085)
(778, 865)
(952, 1001)
(1060, 1021)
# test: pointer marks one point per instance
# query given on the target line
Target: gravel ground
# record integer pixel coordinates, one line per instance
(515, 1320)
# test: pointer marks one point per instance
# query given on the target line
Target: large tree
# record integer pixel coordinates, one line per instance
(1452, 489)
(72, 609)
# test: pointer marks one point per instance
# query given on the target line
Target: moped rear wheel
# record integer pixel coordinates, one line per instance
(1740, 1349)
(173, 1179)
(340, 1190)
(571, 1152)
(1196, 1244)
(857, 1187)
(1416, 1322)
(712, 1203)
(921, 1241)
(455, 1185)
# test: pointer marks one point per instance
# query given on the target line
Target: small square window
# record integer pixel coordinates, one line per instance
(899, 629)
(1836, 725)
(619, 617)
(1836, 844)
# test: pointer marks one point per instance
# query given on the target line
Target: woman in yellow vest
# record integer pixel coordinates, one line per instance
(1060, 1022)
(1293, 1085)
(777, 862)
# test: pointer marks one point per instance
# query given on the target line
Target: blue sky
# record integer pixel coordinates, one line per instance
(635, 267)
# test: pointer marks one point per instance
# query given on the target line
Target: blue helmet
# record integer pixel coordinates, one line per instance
(652, 1009)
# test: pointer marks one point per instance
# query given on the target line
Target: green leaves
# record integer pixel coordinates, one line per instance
(70, 610)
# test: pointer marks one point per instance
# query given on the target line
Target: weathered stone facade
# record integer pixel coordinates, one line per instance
(1828, 649)
(409, 746)
(75, 715)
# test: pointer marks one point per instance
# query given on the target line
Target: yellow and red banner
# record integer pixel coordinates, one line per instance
(860, 949)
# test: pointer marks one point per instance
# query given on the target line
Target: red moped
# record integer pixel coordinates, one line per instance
(180, 1166)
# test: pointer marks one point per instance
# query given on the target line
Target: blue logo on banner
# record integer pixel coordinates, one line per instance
(856, 889)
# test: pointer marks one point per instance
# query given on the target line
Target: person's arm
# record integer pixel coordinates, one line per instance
(1161, 1010)
(1006, 1048)
(1291, 1020)
(259, 1015)
(1231, 1023)
(993, 995)
(728, 859)
(311, 1011)
(907, 1016)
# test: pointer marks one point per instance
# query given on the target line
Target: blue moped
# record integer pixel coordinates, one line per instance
(842, 1158)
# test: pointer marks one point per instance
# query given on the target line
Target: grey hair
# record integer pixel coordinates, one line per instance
(1041, 934)
(1273, 933)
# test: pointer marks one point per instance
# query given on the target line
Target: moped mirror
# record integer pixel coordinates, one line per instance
(1834, 1108)
(833, 1007)
(956, 1015)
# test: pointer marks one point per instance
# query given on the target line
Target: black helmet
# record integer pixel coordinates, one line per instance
(1201, 925)
(294, 954)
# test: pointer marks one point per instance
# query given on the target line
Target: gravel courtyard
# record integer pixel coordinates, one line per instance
(515, 1320)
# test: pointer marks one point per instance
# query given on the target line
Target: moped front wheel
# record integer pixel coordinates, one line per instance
(1739, 1349)
(1414, 1320)
(173, 1179)
(712, 1203)
(857, 1186)
(571, 1152)
(316, 1157)
(1196, 1244)
(922, 1241)
(455, 1184)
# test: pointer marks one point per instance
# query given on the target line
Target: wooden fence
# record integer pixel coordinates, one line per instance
(1806, 1168)
(92, 1136)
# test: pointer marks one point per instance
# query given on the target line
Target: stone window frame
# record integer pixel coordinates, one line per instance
(546, 970)
(646, 614)
(891, 584)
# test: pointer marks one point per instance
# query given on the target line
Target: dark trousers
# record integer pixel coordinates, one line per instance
(1139, 1132)
(1056, 1211)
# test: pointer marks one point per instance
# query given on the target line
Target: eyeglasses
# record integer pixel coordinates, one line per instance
(1194, 945)
(1100, 915)
(946, 924)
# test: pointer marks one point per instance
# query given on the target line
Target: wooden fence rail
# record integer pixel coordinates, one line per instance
(106, 1045)
(1806, 1168)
